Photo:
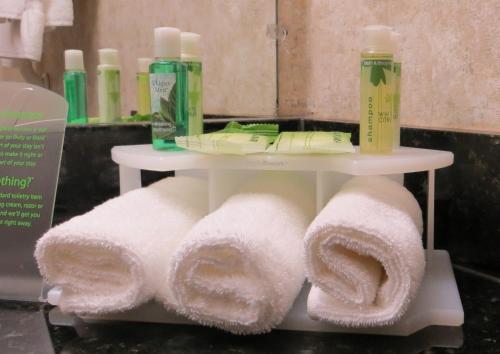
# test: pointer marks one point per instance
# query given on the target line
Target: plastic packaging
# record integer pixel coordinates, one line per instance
(225, 143)
(312, 143)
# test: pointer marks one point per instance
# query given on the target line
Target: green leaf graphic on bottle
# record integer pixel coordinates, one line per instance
(166, 116)
(377, 73)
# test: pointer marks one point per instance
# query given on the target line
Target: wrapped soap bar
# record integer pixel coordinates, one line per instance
(312, 143)
(225, 143)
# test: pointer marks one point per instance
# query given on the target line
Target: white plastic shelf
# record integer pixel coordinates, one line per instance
(438, 301)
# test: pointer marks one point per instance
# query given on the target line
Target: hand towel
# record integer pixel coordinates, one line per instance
(241, 267)
(12, 9)
(364, 254)
(112, 258)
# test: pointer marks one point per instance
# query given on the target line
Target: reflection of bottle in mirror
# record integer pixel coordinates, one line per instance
(376, 128)
(75, 86)
(108, 86)
(191, 56)
(143, 96)
(397, 88)
(167, 80)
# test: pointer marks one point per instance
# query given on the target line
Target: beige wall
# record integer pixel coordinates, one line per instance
(450, 54)
(239, 59)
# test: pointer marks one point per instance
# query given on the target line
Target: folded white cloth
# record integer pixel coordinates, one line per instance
(364, 254)
(112, 258)
(241, 267)
(21, 37)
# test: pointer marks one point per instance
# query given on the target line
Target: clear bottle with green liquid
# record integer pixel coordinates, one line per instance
(75, 86)
(191, 57)
(376, 96)
(168, 89)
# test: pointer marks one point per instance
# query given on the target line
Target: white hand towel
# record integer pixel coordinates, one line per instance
(241, 267)
(12, 9)
(112, 258)
(24, 38)
(364, 254)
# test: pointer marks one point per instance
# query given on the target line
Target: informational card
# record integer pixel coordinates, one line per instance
(32, 124)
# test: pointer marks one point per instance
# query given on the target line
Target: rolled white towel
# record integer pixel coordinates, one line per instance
(364, 254)
(113, 257)
(241, 267)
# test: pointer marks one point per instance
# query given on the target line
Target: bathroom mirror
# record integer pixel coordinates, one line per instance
(239, 54)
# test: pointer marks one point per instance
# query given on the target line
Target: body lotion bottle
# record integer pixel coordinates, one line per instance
(396, 117)
(376, 96)
(168, 87)
(108, 86)
(75, 86)
(191, 57)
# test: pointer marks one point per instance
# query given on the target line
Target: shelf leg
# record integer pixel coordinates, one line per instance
(430, 211)
(130, 179)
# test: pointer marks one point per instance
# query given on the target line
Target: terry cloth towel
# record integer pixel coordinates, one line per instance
(111, 258)
(364, 254)
(21, 37)
(241, 267)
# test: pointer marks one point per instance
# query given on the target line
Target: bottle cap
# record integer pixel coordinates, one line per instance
(73, 60)
(377, 38)
(167, 42)
(108, 56)
(143, 65)
(396, 43)
(190, 46)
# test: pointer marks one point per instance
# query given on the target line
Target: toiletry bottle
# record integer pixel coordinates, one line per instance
(376, 128)
(75, 86)
(143, 96)
(191, 56)
(397, 88)
(108, 86)
(168, 87)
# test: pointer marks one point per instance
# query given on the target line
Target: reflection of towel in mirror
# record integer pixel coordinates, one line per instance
(21, 36)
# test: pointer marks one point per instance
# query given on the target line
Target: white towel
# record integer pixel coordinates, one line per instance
(21, 37)
(241, 267)
(364, 254)
(112, 258)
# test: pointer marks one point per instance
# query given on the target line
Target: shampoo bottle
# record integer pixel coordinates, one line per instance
(397, 88)
(75, 86)
(191, 57)
(376, 128)
(108, 86)
(168, 87)
(143, 96)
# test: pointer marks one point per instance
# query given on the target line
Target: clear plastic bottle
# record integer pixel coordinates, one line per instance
(191, 56)
(143, 96)
(75, 86)
(108, 86)
(397, 89)
(376, 101)
(168, 88)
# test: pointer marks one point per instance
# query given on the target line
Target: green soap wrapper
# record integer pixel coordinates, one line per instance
(312, 143)
(266, 129)
(225, 143)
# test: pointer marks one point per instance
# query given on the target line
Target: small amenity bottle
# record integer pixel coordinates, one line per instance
(108, 86)
(191, 56)
(168, 88)
(376, 128)
(143, 96)
(75, 86)
(397, 88)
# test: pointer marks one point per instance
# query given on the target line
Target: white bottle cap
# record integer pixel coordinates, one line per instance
(377, 38)
(396, 44)
(190, 46)
(108, 56)
(167, 43)
(73, 60)
(143, 65)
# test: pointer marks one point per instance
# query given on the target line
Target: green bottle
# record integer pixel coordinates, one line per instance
(75, 86)
(108, 86)
(190, 55)
(397, 89)
(143, 96)
(168, 88)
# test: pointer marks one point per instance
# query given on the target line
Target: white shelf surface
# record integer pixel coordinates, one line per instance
(402, 160)
(437, 303)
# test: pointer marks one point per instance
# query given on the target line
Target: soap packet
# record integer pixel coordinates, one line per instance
(266, 129)
(312, 143)
(225, 143)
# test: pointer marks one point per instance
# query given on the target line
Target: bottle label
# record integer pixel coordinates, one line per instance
(376, 128)
(163, 105)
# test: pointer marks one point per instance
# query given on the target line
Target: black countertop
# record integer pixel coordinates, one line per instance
(24, 328)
